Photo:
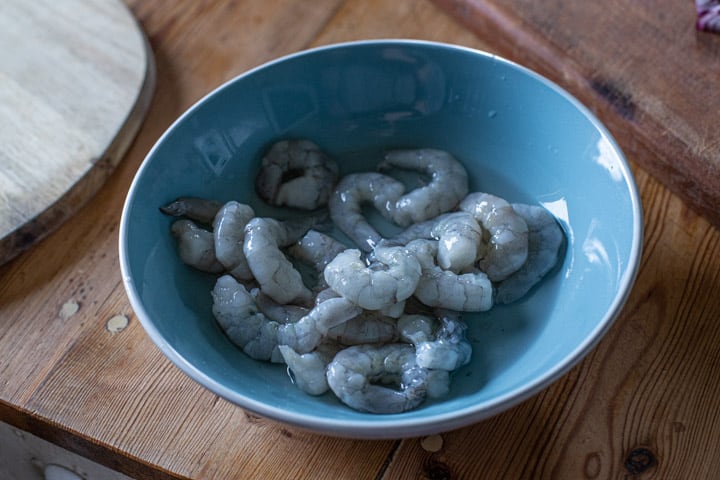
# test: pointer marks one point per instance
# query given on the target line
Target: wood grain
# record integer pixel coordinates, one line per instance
(75, 82)
(643, 68)
(643, 404)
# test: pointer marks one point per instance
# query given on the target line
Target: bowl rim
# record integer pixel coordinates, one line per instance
(395, 426)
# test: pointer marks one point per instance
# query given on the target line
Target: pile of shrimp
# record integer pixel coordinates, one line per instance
(379, 324)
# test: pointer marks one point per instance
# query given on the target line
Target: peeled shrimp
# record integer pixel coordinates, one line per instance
(448, 184)
(360, 377)
(196, 246)
(296, 173)
(307, 333)
(458, 252)
(438, 345)
(273, 271)
(351, 193)
(237, 314)
(308, 370)
(468, 292)
(325, 294)
(367, 327)
(229, 235)
(507, 248)
(277, 312)
(544, 240)
(235, 311)
(458, 233)
(449, 349)
(195, 208)
(391, 277)
(416, 328)
(417, 231)
(316, 249)
(459, 238)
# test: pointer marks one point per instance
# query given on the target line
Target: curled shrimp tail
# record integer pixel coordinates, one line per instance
(362, 376)
(296, 173)
(507, 248)
(545, 242)
(351, 194)
(448, 184)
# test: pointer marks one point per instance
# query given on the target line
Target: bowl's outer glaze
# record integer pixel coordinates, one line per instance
(520, 137)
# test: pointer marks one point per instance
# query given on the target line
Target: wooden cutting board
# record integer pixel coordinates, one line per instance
(76, 78)
(644, 69)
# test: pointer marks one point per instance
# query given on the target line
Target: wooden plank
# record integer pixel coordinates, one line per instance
(643, 68)
(75, 82)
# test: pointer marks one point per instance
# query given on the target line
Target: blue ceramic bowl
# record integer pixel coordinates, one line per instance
(520, 137)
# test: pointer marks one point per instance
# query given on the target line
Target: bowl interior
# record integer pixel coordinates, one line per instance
(518, 135)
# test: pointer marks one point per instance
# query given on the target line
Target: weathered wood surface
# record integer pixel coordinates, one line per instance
(643, 404)
(76, 79)
(641, 66)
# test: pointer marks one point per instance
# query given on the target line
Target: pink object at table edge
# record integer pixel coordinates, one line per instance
(708, 15)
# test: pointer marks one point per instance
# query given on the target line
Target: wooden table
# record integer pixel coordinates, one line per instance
(643, 404)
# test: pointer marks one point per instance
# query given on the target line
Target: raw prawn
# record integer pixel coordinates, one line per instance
(459, 238)
(448, 184)
(438, 345)
(449, 349)
(296, 173)
(307, 333)
(405, 288)
(235, 311)
(277, 312)
(351, 193)
(467, 292)
(417, 231)
(316, 249)
(416, 328)
(308, 370)
(229, 235)
(264, 237)
(367, 327)
(361, 375)
(196, 246)
(507, 247)
(258, 336)
(391, 276)
(545, 237)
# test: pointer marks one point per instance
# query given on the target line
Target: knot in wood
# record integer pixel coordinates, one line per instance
(639, 460)
(435, 470)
